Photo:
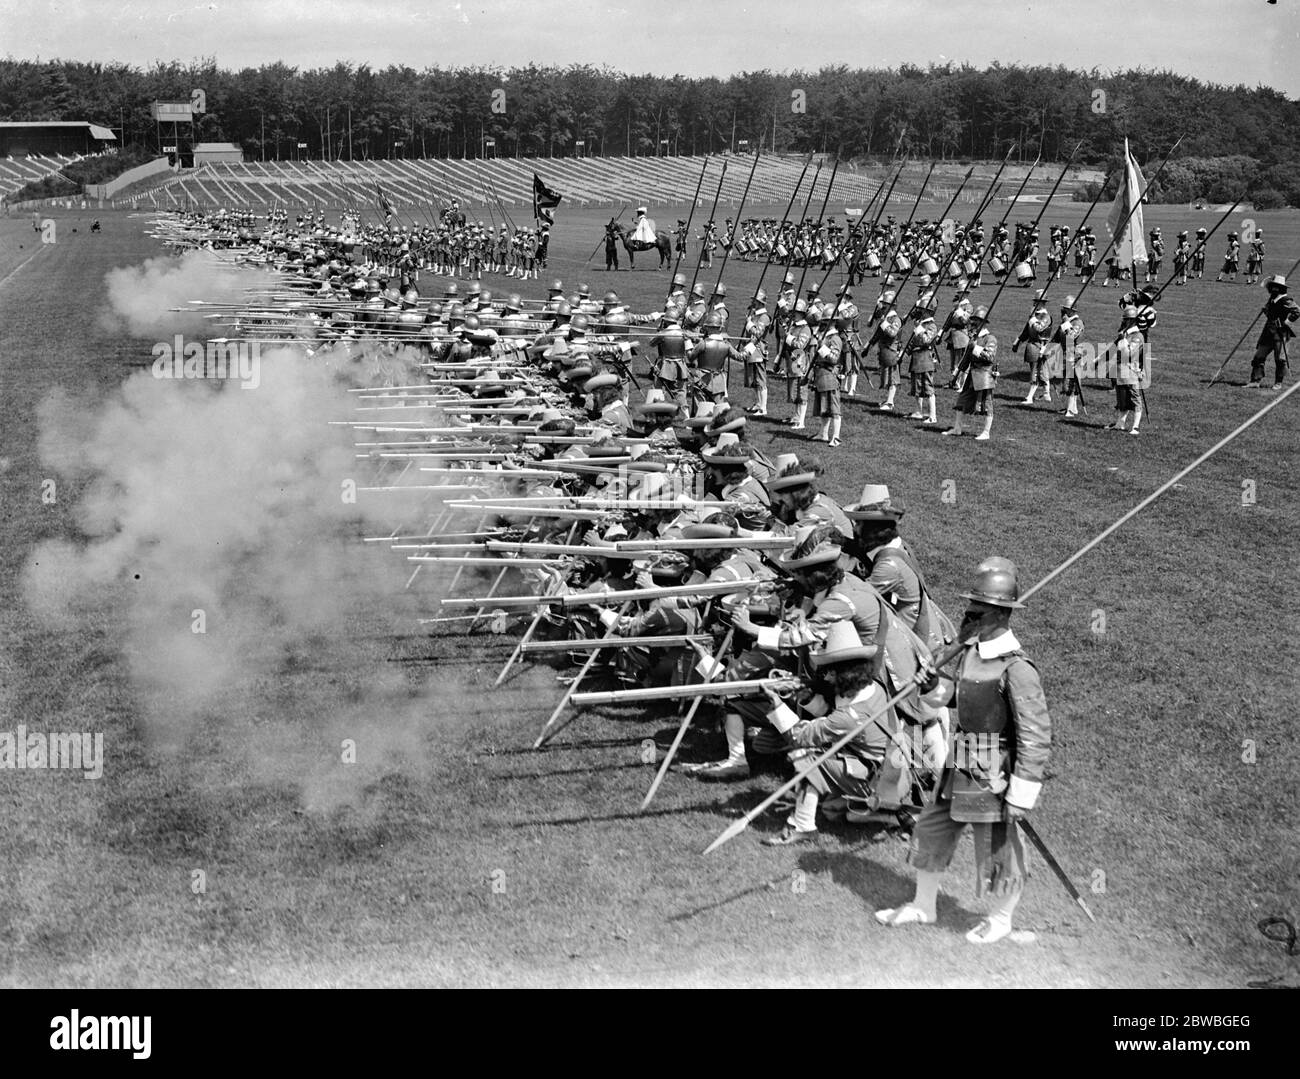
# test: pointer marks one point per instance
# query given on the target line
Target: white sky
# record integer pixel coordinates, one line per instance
(1233, 42)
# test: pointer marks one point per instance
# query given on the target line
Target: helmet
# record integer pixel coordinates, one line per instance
(995, 584)
(788, 279)
(720, 291)
(512, 304)
(456, 313)
(579, 323)
(713, 324)
(557, 285)
(471, 323)
(584, 291)
(981, 314)
(697, 289)
(679, 280)
(760, 297)
(801, 307)
(563, 310)
(611, 298)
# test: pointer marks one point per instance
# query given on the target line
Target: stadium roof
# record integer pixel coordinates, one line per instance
(96, 131)
(213, 146)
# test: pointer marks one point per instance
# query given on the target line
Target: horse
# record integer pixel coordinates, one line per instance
(663, 244)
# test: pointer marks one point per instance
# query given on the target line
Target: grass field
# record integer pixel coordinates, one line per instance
(462, 857)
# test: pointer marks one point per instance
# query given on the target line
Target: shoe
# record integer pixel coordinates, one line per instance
(916, 416)
(795, 426)
(983, 436)
(723, 771)
(790, 837)
(1254, 385)
(1135, 431)
(907, 914)
(954, 431)
(885, 406)
(833, 442)
(756, 411)
(988, 932)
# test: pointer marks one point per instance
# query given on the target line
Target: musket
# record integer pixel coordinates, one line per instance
(630, 595)
(747, 688)
(583, 644)
(532, 627)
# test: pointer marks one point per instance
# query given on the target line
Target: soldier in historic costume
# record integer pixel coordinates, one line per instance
(827, 371)
(1231, 258)
(888, 354)
(1066, 338)
(793, 363)
(977, 376)
(669, 369)
(954, 333)
(1182, 258)
(711, 356)
(1128, 372)
(1279, 312)
(758, 324)
(1198, 253)
(923, 361)
(1035, 336)
(611, 245)
(846, 665)
(1155, 255)
(1001, 745)
(1255, 257)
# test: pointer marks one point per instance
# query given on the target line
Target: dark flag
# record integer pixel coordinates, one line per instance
(544, 200)
(383, 202)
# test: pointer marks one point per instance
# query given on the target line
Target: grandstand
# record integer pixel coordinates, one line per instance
(17, 171)
(416, 184)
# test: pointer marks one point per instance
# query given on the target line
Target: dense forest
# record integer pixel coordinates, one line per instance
(939, 112)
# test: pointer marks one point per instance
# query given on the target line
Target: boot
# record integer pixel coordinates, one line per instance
(1071, 406)
(1047, 392)
(983, 436)
(835, 431)
(824, 435)
(1033, 389)
(955, 429)
(851, 387)
(760, 405)
(796, 421)
(918, 414)
(1137, 420)
(888, 404)
(934, 403)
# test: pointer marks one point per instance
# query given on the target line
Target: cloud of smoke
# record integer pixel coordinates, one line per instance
(143, 298)
(219, 534)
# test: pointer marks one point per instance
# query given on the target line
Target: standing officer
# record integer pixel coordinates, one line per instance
(1279, 312)
(1002, 742)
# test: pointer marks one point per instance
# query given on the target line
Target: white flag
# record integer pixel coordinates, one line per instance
(1124, 221)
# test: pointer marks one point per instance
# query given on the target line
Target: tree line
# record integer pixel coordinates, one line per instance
(948, 112)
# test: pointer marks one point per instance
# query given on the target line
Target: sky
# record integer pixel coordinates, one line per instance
(1250, 42)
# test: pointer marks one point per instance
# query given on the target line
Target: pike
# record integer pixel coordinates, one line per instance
(1294, 266)
(740, 209)
(784, 217)
(695, 199)
(715, 662)
(699, 262)
(803, 214)
(821, 214)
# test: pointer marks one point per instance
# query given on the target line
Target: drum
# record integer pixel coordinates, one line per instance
(997, 265)
(969, 267)
(1023, 272)
(954, 270)
(902, 264)
(872, 261)
(928, 266)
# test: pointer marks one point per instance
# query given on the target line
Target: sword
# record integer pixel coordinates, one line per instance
(1055, 866)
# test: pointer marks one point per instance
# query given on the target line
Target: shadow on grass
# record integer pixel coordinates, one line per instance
(711, 808)
(572, 771)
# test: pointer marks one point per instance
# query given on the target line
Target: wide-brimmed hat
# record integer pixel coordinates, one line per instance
(874, 504)
(841, 645)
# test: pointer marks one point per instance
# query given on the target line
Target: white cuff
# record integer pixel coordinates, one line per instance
(608, 618)
(769, 637)
(1023, 793)
(783, 719)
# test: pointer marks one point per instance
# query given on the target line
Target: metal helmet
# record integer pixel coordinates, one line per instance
(679, 280)
(456, 313)
(981, 314)
(760, 297)
(563, 309)
(720, 291)
(697, 290)
(557, 285)
(512, 304)
(584, 291)
(471, 323)
(713, 324)
(995, 584)
(611, 298)
(579, 323)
